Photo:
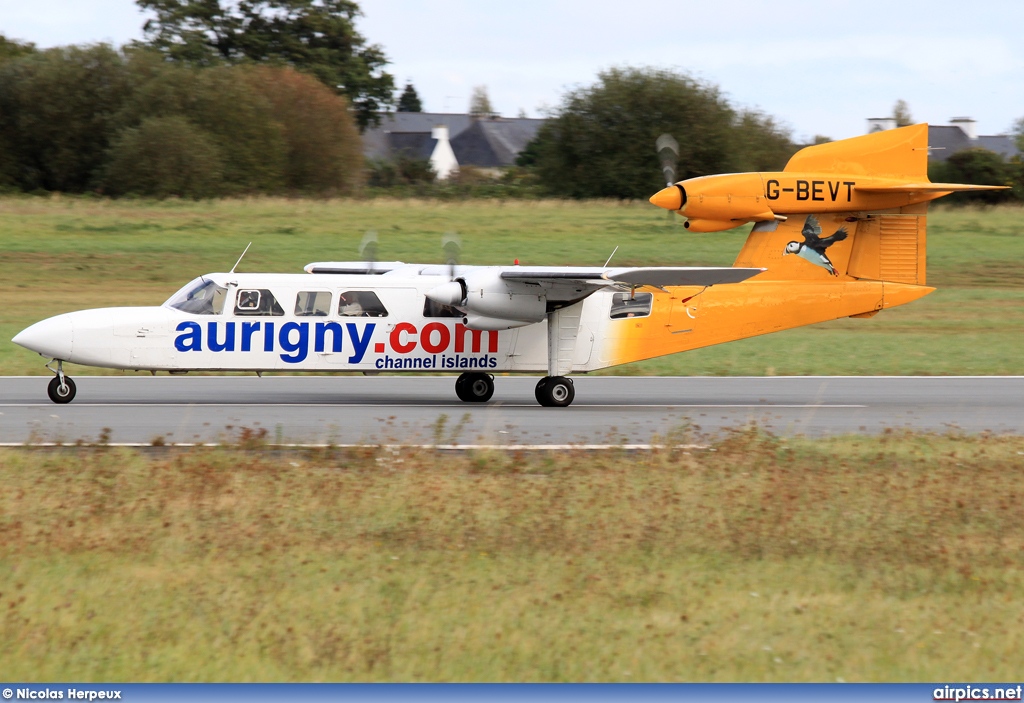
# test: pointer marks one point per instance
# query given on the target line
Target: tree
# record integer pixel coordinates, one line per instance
(600, 142)
(410, 100)
(238, 119)
(322, 146)
(978, 167)
(480, 102)
(901, 113)
(12, 48)
(314, 36)
(162, 157)
(58, 112)
(1018, 133)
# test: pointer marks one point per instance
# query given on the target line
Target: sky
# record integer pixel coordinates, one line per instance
(820, 67)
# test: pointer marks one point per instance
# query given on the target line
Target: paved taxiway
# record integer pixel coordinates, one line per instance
(607, 410)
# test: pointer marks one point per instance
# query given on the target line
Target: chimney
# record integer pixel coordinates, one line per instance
(442, 158)
(880, 124)
(968, 125)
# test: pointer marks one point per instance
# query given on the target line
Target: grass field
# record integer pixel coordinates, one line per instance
(61, 254)
(898, 558)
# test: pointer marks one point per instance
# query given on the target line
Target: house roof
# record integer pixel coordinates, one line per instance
(946, 140)
(418, 145)
(491, 142)
(1001, 144)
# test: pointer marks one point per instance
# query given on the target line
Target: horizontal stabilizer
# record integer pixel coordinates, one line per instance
(925, 188)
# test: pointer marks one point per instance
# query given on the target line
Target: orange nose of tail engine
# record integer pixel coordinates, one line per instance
(671, 198)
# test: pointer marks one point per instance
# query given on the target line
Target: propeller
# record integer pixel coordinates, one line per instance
(452, 246)
(668, 155)
(453, 292)
(368, 248)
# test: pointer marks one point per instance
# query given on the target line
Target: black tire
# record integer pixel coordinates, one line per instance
(476, 387)
(59, 394)
(555, 392)
(460, 387)
(538, 392)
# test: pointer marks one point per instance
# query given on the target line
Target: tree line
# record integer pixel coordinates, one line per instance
(97, 119)
(270, 96)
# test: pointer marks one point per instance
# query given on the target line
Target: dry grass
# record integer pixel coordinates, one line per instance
(892, 558)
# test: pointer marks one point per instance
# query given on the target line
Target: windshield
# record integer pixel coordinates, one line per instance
(200, 297)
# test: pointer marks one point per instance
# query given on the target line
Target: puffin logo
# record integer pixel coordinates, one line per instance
(814, 245)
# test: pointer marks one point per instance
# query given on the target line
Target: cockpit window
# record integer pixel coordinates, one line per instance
(625, 305)
(200, 297)
(313, 302)
(360, 303)
(257, 302)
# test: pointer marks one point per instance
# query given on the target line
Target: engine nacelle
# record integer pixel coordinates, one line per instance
(493, 303)
(736, 196)
(710, 225)
(716, 203)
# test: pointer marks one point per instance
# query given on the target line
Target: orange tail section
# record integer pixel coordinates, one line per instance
(895, 153)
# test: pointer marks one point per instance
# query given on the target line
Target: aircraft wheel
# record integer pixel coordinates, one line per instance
(555, 391)
(61, 394)
(474, 387)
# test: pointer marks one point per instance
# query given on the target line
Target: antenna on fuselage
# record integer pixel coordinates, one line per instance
(240, 258)
(610, 256)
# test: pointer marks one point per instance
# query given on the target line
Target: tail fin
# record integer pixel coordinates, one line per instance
(893, 153)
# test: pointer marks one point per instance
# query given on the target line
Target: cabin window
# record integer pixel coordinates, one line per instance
(315, 303)
(200, 297)
(625, 305)
(432, 309)
(360, 303)
(252, 302)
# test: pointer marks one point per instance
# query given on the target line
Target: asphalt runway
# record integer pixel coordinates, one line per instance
(345, 410)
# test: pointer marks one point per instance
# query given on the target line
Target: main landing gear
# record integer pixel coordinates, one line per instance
(61, 388)
(551, 391)
(555, 391)
(475, 387)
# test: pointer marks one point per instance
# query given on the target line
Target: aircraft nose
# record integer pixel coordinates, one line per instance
(51, 337)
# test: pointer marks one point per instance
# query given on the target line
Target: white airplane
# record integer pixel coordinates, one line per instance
(840, 232)
(372, 317)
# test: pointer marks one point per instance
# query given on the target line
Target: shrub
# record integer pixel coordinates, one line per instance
(165, 156)
(323, 149)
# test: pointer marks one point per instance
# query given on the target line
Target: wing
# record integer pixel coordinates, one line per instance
(811, 231)
(659, 276)
(369, 268)
(825, 243)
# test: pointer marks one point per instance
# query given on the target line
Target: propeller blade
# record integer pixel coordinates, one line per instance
(368, 247)
(452, 246)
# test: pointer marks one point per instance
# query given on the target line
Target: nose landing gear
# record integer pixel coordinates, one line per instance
(61, 388)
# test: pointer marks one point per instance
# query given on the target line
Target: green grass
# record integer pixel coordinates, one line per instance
(898, 558)
(61, 254)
